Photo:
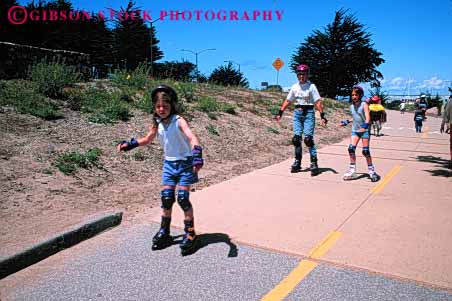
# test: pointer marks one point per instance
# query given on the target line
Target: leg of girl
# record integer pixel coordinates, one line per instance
(189, 239)
(374, 177)
(163, 238)
(351, 173)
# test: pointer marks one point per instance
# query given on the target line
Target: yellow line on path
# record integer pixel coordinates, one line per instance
(386, 179)
(302, 270)
(324, 245)
(425, 134)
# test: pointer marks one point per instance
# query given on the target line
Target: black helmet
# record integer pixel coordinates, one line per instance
(164, 88)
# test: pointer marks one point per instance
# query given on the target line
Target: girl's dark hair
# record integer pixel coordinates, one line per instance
(167, 94)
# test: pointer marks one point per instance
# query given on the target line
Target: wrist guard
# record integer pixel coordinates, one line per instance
(345, 122)
(365, 125)
(280, 112)
(129, 144)
(322, 116)
(197, 156)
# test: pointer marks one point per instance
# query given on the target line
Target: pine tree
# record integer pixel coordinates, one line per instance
(340, 57)
(228, 76)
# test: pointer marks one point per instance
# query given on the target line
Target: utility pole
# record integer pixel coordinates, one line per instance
(196, 56)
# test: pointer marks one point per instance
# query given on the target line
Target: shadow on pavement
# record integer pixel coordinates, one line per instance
(327, 169)
(213, 238)
(443, 164)
(321, 170)
(358, 176)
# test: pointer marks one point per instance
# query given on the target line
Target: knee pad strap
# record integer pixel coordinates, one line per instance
(168, 198)
(309, 141)
(183, 199)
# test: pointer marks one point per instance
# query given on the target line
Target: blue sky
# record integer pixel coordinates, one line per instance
(414, 37)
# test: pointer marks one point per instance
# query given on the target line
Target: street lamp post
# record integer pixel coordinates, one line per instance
(196, 56)
(152, 30)
(232, 62)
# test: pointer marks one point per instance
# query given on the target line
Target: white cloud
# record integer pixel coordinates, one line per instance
(432, 83)
(396, 83)
(400, 85)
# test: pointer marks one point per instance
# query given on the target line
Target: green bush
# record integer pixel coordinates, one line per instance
(115, 110)
(212, 115)
(228, 108)
(93, 100)
(105, 107)
(274, 109)
(138, 78)
(212, 130)
(145, 103)
(23, 95)
(139, 156)
(69, 162)
(185, 91)
(52, 77)
(73, 98)
(207, 104)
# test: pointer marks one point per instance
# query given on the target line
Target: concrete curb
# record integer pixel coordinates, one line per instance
(60, 242)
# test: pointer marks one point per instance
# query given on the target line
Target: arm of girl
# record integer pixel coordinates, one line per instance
(198, 162)
(365, 125)
(128, 145)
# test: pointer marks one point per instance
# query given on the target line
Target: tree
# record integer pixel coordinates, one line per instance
(181, 71)
(9, 32)
(228, 76)
(132, 39)
(340, 57)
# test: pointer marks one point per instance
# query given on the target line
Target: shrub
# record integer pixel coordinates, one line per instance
(145, 103)
(69, 162)
(106, 107)
(228, 108)
(138, 78)
(185, 91)
(207, 104)
(52, 77)
(274, 109)
(212, 130)
(24, 97)
(212, 115)
(139, 156)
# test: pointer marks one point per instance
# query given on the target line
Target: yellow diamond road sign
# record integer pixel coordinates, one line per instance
(278, 63)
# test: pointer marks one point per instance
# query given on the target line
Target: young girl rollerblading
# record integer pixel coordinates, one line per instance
(306, 98)
(183, 160)
(360, 131)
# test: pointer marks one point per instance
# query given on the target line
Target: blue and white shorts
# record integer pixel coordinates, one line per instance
(362, 135)
(179, 172)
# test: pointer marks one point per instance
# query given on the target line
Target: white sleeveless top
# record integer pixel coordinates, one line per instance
(175, 143)
(359, 117)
